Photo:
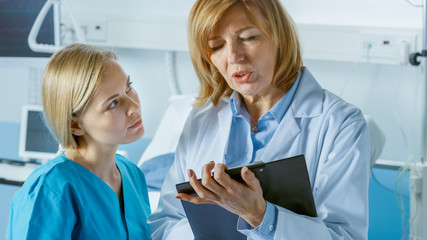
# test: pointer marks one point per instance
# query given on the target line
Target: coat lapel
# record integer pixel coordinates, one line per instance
(281, 143)
(224, 119)
(282, 139)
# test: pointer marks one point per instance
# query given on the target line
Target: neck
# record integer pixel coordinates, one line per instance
(259, 105)
(99, 160)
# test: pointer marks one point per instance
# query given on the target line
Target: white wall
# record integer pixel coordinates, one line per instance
(14, 92)
(380, 13)
(384, 13)
(131, 9)
(392, 94)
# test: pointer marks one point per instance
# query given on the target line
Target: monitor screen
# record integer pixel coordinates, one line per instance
(36, 141)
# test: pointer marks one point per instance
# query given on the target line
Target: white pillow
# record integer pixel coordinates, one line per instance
(167, 134)
(377, 138)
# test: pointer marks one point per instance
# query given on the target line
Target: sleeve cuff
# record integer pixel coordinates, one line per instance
(265, 230)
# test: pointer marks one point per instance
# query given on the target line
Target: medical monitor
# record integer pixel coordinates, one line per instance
(36, 141)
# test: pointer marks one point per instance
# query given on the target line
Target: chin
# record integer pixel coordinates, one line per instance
(140, 133)
(248, 93)
(135, 136)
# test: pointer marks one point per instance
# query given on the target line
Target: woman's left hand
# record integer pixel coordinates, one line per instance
(241, 198)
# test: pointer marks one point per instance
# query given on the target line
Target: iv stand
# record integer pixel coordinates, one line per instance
(418, 191)
(413, 57)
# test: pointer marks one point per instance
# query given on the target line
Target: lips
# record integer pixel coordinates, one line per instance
(137, 124)
(241, 76)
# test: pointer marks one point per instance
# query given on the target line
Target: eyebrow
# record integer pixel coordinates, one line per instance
(116, 95)
(110, 98)
(237, 32)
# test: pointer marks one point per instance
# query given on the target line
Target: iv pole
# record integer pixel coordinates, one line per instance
(418, 177)
(415, 61)
(413, 57)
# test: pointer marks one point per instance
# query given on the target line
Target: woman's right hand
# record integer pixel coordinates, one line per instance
(241, 198)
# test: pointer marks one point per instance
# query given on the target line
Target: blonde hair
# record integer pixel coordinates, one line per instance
(70, 79)
(269, 16)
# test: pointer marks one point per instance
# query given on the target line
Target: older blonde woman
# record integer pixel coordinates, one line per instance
(87, 192)
(258, 102)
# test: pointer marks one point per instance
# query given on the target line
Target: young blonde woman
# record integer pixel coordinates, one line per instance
(88, 191)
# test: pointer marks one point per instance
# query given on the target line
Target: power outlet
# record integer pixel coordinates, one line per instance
(94, 30)
(387, 47)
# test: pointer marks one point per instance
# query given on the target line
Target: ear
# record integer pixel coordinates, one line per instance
(76, 128)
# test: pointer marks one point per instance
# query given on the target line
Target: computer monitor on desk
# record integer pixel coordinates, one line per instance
(36, 142)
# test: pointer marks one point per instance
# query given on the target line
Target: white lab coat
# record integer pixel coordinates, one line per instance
(332, 135)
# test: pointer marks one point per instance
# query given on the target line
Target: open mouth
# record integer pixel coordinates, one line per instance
(242, 76)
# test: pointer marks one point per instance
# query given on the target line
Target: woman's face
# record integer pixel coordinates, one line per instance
(243, 54)
(113, 115)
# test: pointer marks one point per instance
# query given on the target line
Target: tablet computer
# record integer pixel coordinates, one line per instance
(284, 182)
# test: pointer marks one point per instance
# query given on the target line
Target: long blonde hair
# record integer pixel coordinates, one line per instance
(269, 16)
(70, 79)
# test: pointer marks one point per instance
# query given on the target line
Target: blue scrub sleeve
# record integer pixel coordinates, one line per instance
(45, 215)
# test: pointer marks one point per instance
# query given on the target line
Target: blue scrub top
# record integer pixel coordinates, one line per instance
(64, 200)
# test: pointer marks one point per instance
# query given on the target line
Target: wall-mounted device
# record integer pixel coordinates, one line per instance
(58, 44)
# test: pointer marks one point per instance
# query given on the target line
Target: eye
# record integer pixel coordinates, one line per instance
(216, 48)
(113, 104)
(129, 86)
(250, 38)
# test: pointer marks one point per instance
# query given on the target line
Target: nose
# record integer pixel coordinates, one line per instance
(134, 106)
(235, 53)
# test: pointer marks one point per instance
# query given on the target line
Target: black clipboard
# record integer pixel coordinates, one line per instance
(284, 182)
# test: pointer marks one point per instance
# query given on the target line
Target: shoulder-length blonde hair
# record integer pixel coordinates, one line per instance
(70, 79)
(269, 16)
